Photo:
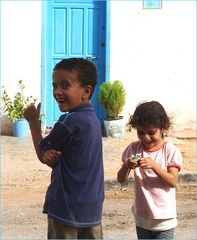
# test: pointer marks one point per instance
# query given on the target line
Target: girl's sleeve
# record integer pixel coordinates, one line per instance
(174, 157)
(127, 153)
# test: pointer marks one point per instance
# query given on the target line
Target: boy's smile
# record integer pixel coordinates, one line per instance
(68, 91)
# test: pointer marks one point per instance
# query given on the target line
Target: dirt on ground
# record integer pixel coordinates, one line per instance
(24, 181)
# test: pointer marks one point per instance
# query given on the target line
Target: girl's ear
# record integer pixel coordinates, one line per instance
(87, 92)
(163, 133)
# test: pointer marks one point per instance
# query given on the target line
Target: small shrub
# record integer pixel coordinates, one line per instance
(112, 98)
(15, 108)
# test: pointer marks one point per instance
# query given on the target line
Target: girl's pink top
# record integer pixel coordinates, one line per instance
(153, 197)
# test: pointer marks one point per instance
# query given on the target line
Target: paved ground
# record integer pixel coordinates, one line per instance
(24, 181)
(22, 148)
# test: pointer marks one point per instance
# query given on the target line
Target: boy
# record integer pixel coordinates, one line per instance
(73, 149)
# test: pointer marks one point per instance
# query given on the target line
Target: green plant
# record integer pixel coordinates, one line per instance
(15, 108)
(112, 98)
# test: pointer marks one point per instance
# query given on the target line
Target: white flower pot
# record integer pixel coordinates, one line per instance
(114, 128)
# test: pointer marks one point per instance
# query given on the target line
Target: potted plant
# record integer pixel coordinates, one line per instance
(112, 98)
(15, 109)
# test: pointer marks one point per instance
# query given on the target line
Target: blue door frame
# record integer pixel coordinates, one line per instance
(49, 107)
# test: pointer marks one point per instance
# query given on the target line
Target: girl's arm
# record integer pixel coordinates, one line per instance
(170, 176)
(123, 173)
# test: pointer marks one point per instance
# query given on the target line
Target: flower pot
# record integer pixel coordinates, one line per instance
(20, 128)
(114, 128)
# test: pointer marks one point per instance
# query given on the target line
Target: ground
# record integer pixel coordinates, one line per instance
(24, 182)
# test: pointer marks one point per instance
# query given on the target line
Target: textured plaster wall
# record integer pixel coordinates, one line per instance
(21, 45)
(20, 49)
(153, 52)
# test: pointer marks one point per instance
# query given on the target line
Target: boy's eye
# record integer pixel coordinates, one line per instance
(65, 85)
(54, 85)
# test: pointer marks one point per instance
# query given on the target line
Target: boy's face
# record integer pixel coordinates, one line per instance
(67, 90)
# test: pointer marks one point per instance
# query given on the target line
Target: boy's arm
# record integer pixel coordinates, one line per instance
(48, 157)
(36, 137)
(32, 115)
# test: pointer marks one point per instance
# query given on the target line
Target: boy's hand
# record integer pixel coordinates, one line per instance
(50, 157)
(32, 113)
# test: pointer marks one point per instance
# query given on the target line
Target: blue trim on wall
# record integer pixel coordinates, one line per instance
(152, 4)
(107, 62)
(43, 59)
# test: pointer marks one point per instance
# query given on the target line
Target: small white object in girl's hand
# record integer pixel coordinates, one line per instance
(136, 157)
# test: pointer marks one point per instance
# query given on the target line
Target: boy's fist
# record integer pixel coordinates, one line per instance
(32, 113)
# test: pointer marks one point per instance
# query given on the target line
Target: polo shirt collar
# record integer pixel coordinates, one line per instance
(84, 107)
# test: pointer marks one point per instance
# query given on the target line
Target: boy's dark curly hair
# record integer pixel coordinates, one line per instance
(86, 70)
(150, 113)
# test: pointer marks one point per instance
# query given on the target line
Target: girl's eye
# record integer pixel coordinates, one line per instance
(151, 133)
(140, 132)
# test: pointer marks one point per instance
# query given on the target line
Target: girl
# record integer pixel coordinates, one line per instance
(155, 173)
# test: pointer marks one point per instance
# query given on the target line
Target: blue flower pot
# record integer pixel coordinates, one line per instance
(20, 128)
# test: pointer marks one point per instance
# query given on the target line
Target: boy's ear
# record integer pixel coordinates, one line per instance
(87, 92)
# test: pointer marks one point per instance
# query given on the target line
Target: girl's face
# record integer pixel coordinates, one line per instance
(67, 90)
(151, 137)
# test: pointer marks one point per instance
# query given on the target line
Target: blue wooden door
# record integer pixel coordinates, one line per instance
(72, 29)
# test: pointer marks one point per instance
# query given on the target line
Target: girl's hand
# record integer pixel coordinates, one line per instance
(147, 163)
(50, 157)
(170, 176)
(131, 163)
(32, 113)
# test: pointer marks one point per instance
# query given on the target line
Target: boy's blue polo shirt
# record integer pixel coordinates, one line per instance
(76, 193)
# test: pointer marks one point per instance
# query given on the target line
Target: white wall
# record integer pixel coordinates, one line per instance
(153, 52)
(21, 45)
(20, 49)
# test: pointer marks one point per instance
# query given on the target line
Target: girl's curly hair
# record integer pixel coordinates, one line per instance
(150, 113)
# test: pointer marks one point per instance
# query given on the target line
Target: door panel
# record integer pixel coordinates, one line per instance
(73, 30)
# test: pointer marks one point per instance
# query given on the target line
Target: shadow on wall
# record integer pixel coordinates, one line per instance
(6, 126)
(182, 120)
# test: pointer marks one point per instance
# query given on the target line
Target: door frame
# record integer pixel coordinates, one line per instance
(44, 48)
